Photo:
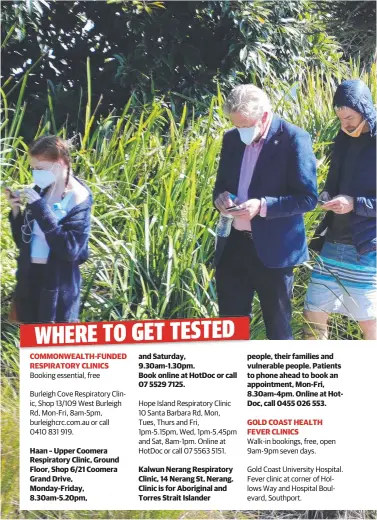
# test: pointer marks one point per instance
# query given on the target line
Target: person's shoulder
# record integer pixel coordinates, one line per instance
(80, 193)
(230, 133)
(293, 130)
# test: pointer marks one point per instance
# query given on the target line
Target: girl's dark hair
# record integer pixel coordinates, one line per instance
(53, 148)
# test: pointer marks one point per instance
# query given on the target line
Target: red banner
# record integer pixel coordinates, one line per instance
(145, 331)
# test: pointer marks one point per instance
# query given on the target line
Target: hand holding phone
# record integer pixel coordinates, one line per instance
(29, 195)
(223, 200)
(14, 200)
(234, 208)
(323, 198)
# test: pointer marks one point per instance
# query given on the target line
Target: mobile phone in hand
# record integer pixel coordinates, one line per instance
(12, 194)
(234, 208)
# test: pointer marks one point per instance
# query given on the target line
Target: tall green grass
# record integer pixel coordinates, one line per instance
(151, 172)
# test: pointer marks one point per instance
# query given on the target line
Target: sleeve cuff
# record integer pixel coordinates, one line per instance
(45, 217)
(263, 207)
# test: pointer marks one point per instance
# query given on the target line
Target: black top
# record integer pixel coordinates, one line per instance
(340, 228)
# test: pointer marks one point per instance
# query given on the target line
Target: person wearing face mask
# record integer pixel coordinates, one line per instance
(52, 235)
(269, 165)
(344, 276)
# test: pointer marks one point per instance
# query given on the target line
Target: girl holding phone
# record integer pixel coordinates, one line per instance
(52, 235)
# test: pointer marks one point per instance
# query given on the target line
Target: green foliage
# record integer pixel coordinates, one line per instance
(152, 239)
(176, 50)
(353, 24)
(19, 15)
(139, 5)
(280, 39)
(151, 175)
(151, 164)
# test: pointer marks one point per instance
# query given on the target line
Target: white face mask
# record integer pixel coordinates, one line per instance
(43, 178)
(248, 135)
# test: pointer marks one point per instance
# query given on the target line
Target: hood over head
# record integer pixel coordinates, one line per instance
(355, 94)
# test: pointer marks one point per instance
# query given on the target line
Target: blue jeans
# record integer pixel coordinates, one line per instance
(240, 274)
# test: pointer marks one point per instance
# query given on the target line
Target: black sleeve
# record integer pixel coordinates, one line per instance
(220, 184)
(332, 180)
(67, 239)
(16, 224)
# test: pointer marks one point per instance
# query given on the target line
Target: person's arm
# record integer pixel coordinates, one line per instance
(365, 206)
(16, 216)
(336, 153)
(67, 239)
(302, 181)
(16, 222)
(220, 183)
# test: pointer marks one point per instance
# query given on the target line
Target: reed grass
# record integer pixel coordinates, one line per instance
(151, 172)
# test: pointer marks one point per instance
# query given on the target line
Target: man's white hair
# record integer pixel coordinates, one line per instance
(247, 100)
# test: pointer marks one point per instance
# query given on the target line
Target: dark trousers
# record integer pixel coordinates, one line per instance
(29, 306)
(240, 274)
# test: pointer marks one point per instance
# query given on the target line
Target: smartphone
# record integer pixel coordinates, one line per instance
(11, 192)
(234, 208)
(14, 194)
